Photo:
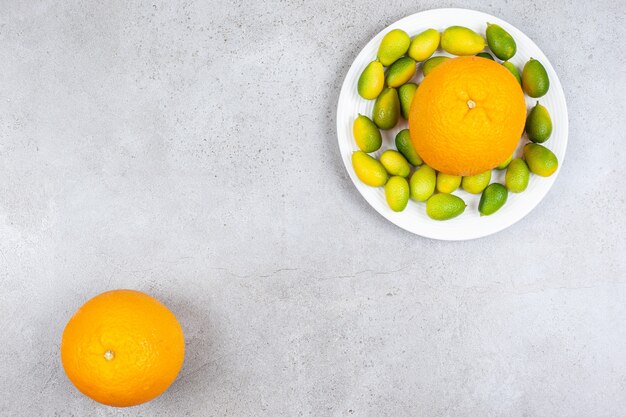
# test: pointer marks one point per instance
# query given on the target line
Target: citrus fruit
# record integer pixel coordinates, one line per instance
(538, 124)
(540, 159)
(424, 45)
(505, 163)
(393, 46)
(431, 63)
(422, 183)
(395, 163)
(511, 67)
(406, 94)
(486, 55)
(492, 199)
(386, 109)
(475, 184)
(397, 193)
(369, 170)
(467, 116)
(400, 72)
(500, 42)
(535, 81)
(517, 176)
(366, 134)
(122, 348)
(405, 146)
(447, 183)
(372, 81)
(444, 206)
(459, 40)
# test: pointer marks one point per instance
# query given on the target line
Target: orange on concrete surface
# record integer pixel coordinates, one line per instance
(122, 348)
(467, 116)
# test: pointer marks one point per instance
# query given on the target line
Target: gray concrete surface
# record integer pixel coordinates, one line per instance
(187, 149)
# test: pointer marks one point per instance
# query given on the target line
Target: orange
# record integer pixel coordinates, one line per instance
(467, 116)
(122, 348)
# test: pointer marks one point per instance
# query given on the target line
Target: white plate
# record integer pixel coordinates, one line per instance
(470, 224)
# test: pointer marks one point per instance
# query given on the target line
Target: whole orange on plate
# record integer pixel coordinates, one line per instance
(467, 116)
(122, 348)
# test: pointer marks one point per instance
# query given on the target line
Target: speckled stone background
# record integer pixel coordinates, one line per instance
(188, 149)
